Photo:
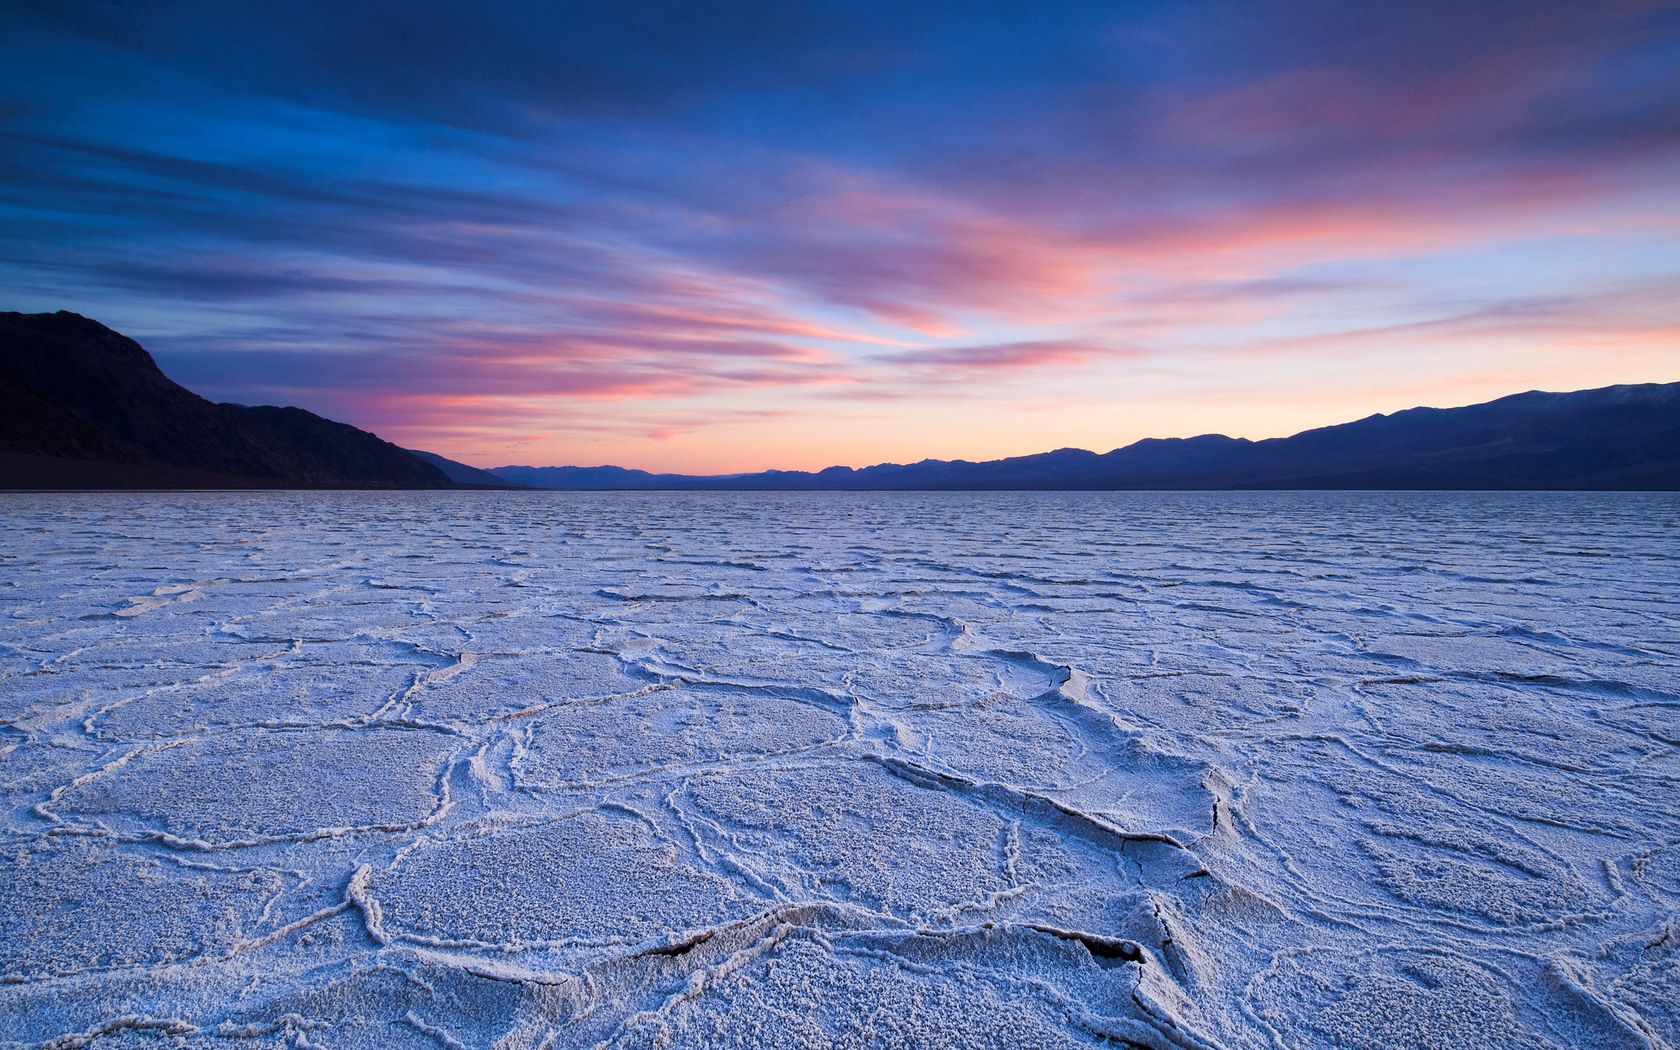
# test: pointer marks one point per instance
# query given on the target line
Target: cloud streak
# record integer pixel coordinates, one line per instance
(748, 231)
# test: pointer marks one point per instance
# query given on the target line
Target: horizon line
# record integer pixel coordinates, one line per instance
(1064, 448)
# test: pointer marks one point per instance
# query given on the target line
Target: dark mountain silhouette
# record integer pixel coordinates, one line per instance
(82, 406)
(461, 474)
(1619, 437)
(580, 478)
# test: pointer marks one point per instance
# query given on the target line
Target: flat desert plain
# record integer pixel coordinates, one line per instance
(1366, 770)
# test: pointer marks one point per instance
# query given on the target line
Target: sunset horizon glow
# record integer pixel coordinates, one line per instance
(722, 239)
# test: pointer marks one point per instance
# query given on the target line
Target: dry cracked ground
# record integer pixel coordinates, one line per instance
(1054, 770)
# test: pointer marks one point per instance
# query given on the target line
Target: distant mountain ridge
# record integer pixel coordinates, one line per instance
(1617, 437)
(461, 474)
(596, 478)
(83, 406)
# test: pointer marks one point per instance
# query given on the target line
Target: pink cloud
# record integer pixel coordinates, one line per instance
(1035, 355)
(1642, 319)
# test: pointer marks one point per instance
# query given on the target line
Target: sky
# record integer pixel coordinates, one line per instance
(726, 237)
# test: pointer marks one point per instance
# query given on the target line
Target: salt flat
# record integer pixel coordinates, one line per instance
(783, 770)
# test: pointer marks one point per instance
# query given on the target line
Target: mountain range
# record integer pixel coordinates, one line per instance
(82, 406)
(1617, 437)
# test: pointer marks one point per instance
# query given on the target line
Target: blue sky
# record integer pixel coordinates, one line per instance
(727, 237)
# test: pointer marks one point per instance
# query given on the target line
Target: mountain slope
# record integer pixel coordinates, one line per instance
(1619, 437)
(83, 406)
(461, 474)
(594, 478)
(73, 390)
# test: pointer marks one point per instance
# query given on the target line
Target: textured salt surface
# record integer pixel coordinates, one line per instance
(779, 770)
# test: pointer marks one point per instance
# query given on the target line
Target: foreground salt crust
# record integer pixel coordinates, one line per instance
(780, 770)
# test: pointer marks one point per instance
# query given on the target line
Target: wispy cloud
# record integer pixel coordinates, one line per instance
(964, 362)
(709, 233)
